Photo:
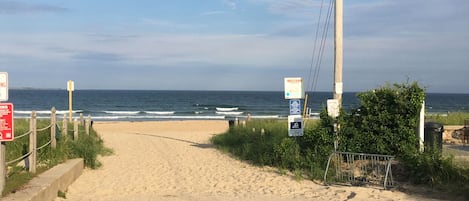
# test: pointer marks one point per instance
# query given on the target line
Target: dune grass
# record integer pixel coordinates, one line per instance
(87, 147)
(266, 142)
(452, 118)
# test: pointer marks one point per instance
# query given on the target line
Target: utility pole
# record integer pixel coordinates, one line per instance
(338, 51)
(338, 61)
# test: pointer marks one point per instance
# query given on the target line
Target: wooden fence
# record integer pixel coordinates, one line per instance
(30, 158)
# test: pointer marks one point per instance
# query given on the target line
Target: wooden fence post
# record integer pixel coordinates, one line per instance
(3, 166)
(32, 143)
(81, 119)
(65, 126)
(87, 125)
(75, 130)
(53, 121)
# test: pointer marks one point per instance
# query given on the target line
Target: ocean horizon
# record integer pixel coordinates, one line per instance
(135, 105)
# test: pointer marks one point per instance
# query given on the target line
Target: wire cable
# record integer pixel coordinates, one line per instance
(320, 53)
(314, 48)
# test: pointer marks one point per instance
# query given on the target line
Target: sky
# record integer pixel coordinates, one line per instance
(232, 44)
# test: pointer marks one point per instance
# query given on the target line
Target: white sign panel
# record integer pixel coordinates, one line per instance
(295, 125)
(294, 88)
(3, 86)
(339, 88)
(70, 85)
(333, 107)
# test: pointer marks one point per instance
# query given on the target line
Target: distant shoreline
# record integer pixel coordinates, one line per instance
(202, 90)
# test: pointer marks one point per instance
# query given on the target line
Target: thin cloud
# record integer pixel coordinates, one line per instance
(168, 24)
(98, 56)
(18, 7)
(406, 18)
(217, 12)
(292, 8)
(231, 4)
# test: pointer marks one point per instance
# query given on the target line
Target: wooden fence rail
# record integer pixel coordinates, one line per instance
(30, 158)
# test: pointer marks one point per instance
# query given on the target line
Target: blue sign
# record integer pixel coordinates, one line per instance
(295, 107)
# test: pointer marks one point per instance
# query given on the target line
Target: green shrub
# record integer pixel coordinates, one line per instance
(287, 154)
(316, 145)
(385, 122)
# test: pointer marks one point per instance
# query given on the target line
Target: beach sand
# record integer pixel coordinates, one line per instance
(173, 160)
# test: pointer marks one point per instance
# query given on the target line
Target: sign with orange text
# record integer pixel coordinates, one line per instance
(294, 88)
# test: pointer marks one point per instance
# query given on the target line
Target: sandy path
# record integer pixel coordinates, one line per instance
(174, 161)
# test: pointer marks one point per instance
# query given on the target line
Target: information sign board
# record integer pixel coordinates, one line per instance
(295, 107)
(6, 122)
(294, 88)
(295, 125)
(333, 107)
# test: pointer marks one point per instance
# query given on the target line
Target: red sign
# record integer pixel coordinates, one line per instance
(6, 122)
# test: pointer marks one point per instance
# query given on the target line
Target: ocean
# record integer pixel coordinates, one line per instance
(148, 105)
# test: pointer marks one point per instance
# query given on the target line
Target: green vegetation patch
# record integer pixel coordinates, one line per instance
(87, 147)
(385, 122)
(452, 118)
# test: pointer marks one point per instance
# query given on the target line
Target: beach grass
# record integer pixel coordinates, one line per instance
(459, 157)
(86, 147)
(451, 118)
(266, 142)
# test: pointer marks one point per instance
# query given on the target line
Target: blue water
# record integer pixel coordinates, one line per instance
(163, 105)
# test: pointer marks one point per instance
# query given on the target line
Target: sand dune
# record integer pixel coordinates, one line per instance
(173, 160)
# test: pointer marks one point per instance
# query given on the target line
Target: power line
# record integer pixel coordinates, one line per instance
(314, 47)
(322, 44)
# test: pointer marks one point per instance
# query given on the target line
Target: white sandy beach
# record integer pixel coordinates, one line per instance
(173, 160)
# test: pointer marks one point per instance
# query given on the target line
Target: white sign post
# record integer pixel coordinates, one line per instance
(422, 127)
(4, 97)
(70, 89)
(3, 86)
